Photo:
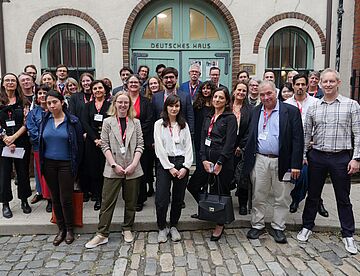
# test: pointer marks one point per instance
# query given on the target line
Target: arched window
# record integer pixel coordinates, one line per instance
(70, 45)
(289, 49)
(160, 26)
(201, 26)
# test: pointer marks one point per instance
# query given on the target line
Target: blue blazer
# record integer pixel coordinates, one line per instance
(186, 106)
(291, 139)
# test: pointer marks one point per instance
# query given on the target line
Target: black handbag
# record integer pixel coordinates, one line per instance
(216, 208)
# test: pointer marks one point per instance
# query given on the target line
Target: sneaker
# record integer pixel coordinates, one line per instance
(97, 240)
(128, 236)
(350, 245)
(163, 235)
(304, 235)
(175, 235)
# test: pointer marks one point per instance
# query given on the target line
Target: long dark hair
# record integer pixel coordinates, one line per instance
(289, 86)
(4, 99)
(200, 100)
(57, 95)
(227, 97)
(171, 100)
(246, 101)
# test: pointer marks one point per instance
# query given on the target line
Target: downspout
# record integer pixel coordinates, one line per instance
(328, 33)
(2, 41)
(340, 12)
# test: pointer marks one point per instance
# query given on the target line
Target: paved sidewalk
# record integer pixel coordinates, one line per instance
(38, 222)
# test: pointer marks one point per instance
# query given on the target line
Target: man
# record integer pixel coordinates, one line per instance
(335, 119)
(290, 75)
(302, 101)
(269, 75)
(62, 75)
(273, 154)
(253, 96)
(159, 68)
(192, 86)
(124, 73)
(215, 77)
(169, 78)
(314, 88)
(143, 73)
(243, 76)
(27, 85)
(32, 71)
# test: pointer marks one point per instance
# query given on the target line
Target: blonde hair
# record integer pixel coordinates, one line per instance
(148, 92)
(113, 110)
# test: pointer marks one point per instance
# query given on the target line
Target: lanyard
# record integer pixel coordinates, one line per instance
(193, 91)
(98, 109)
(299, 106)
(211, 126)
(121, 134)
(266, 119)
(10, 115)
(85, 100)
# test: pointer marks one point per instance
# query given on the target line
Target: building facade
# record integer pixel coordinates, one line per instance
(102, 36)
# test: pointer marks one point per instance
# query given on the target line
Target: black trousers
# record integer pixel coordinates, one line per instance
(22, 173)
(146, 161)
(162, 195)
(320, 164)
(60, 181)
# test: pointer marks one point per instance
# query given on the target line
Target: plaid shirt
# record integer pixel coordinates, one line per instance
(332, 126)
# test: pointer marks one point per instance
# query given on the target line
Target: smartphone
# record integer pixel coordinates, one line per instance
(211, 167)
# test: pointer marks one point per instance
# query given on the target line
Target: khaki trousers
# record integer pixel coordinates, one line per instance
(111, 190)
(264, 178)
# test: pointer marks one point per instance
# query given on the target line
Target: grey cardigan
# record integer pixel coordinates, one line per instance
(111, 140)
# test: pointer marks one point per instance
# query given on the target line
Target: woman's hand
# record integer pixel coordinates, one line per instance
(174, 172)
(217, 169)
(130, 169)
(119, 170)
(97, 142)
(182, 173)
(207, 166)
(8, 140)
(12, 148)
(237, 152)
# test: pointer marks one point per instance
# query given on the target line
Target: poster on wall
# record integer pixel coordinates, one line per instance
(208, 65)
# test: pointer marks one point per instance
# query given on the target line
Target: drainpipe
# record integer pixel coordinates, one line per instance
(2, 41)
(328, 33)
(340, 12)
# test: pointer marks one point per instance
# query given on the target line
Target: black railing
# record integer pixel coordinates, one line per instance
(355, 85)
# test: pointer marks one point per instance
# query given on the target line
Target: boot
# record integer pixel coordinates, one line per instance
(6, 210)
(25, 207)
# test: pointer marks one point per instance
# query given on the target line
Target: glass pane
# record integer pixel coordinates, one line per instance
(84, 51)
(164, 24)
(150, 31)
(53, 50)
(274, 52)
(68, 47)
(197, 25)
(286, 59)
(301, 53)
(211, 32)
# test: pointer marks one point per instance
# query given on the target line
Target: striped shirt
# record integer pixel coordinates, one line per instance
(332, 126)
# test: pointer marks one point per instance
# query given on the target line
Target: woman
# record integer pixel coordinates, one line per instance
(71, 87)
(122, 144)
(154, 85)
(173, 147)
(242, 111)
(92, 119)
(49, 79)
(33, 120)
(13, 109)
(60, 150)
(144, 112)
(108, 83)
(217, 146)
(287, 91)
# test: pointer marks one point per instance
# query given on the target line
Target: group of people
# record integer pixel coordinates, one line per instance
(254, 138)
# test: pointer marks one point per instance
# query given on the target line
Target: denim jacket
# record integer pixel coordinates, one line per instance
(33, 121)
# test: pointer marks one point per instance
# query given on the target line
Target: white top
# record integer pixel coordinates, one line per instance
(172, 143)
(304, 106)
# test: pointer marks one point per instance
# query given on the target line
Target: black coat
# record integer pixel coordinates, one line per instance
(77, 103)
(291, 139)
(146, 120)
(246, 112)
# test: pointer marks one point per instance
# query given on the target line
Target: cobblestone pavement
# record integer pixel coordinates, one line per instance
(234, 254)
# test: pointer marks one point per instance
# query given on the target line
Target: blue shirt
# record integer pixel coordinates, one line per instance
(56, 140)
(268, 133)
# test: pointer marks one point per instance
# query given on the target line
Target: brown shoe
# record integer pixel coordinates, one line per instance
(36, 198)
(69, 237)
(59, 238)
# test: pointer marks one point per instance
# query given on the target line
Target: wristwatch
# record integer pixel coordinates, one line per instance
(113, 166)
(357, 159)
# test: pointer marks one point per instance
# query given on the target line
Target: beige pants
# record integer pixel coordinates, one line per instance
(264, 178)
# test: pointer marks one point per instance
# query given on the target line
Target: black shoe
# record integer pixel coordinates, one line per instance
(93, 198)
(36, 198)
(278, 235)
(139, 207)
(59, 237)
(194, 216)
(86, 197)
(322, 211)
(254, 233)
(150, 192)
(6, 211)
(49, 206)
(216, 238)
(69, 237)
(183, 205)
(243, 210)
(25, 207)
(293, 207)
(97, 205)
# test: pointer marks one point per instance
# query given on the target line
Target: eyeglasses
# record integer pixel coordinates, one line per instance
(169, 77)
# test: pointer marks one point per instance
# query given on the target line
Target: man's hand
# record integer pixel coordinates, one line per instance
(295, 173)
(353, 166)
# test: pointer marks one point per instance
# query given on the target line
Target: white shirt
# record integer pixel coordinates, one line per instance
(176, 142)
(304, 106)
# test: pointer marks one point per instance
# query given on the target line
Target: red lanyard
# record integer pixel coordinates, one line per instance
(10, 115)
(211, 126)
(85, 100)
(192, 92)
(121, 134)
(98, 109)
(315, 92)
(299, 106)
(266, 119)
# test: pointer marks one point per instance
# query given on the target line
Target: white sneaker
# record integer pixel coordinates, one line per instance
(304, 235)
(175, 235)
(128, 236)
(163, 235)
(350, 245)
(95, 241)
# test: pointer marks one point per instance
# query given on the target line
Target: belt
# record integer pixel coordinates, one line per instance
(269, 155)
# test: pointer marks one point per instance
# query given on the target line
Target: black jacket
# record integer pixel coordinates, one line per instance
(291, 139)
(147, 120)
(246, 112)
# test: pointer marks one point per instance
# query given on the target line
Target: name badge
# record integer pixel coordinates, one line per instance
(10, 123)
(263, 135)
(98, 117)
(122, 150)
(207, 142)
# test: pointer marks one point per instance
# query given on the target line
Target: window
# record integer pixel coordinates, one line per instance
(70, 45)
(201, 26)
(160, 26)
(289, 49)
